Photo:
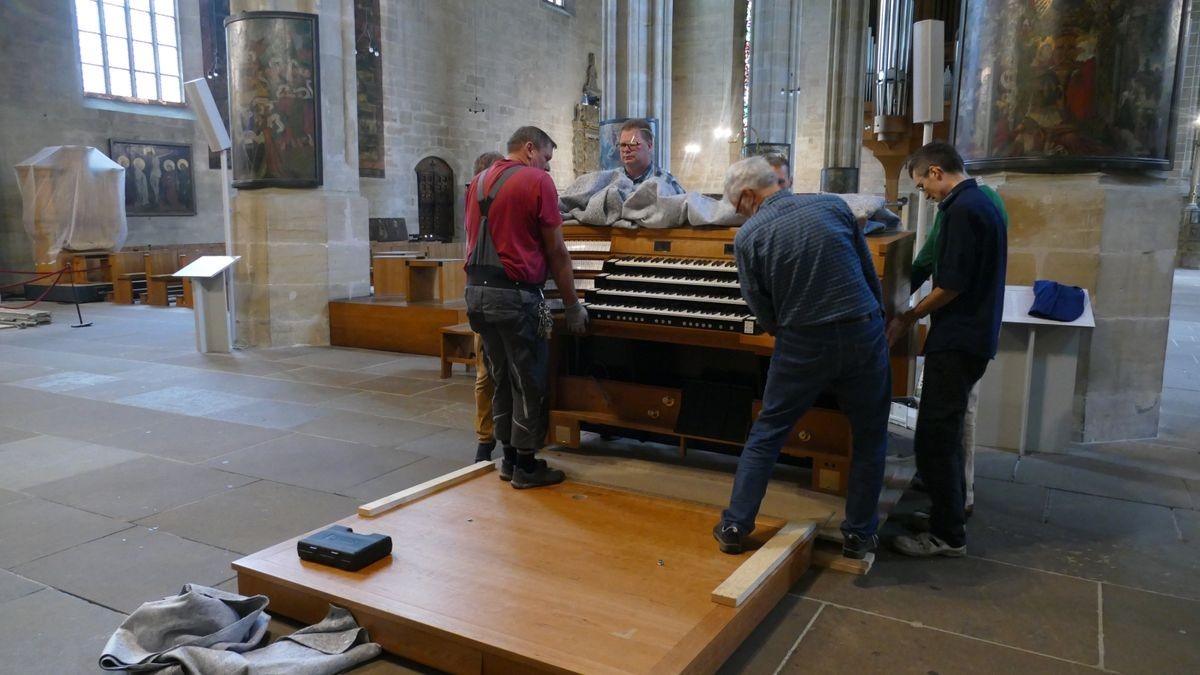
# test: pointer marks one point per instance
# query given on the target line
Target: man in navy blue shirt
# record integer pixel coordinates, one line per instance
(965, 307)
(807, 274)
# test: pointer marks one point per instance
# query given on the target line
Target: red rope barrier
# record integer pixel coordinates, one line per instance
(57, 277)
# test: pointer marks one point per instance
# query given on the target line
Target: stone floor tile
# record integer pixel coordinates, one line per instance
(85, 420)
(283, 353)
(12, 372)
(768, 645)
(455, 415)
(31, 528)
(1150, 633)
(1177, 401)
(190, 439)
(1103, 478)
(6, 496)
(406, 386)
(139, 488)
(455, 445)
(1041, 612)
(387, 405)
(230, 363)
(19, 402)
(64, 381)
(1086, 536)
(403, 478)
(312, 462)
(992, 463)
(356, 427)
(458, 393)
(139, 565)
(187, 400)
(271, 414)
(42, 459)
(13, 586)
(330, 377)
(341, 358)
(409, 365)
(846, 641)
(41, 356)
(266, 513)
(1145, 456)
(266, 388)
(9, 434)
(52, 633)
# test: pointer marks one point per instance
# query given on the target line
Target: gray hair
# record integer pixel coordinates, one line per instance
(754, 173)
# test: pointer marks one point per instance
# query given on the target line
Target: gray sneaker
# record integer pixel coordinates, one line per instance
(542, 475)
(926, 545)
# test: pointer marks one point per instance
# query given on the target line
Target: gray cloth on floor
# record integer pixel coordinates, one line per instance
(610, 198)
(205, 630)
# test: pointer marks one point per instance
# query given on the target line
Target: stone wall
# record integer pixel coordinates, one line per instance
(44, 105)
(526, 61)
(707, 63)
(1116, 237)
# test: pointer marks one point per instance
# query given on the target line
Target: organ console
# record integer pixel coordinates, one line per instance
(672, 346)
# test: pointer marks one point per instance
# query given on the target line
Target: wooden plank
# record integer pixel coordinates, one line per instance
(425, 489)
(828, 555)
(754, 572)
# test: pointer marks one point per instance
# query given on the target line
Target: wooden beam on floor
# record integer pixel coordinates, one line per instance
(424, 489)
(829, 555)
(752, 573)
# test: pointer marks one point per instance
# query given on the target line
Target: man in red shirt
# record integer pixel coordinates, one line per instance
(514, 239)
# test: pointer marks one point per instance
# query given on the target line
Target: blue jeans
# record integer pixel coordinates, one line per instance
(850, 360)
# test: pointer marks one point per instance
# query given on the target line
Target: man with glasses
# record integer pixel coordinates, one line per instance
(965, 306)
(807, 274)
(636, 143)
(514, 239)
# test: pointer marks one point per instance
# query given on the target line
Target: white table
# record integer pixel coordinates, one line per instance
(1027, 394)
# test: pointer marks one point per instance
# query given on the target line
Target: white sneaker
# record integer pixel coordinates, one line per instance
(925, 545)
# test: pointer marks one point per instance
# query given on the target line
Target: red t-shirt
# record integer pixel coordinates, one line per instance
(527, 204)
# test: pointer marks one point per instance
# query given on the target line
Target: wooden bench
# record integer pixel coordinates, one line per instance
(128, 276)
(458, 346)
(161, 282)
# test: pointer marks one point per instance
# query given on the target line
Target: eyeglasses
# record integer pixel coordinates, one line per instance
(629, 146)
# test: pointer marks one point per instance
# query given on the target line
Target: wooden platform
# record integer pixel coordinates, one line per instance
(575, 578)
(392, 324)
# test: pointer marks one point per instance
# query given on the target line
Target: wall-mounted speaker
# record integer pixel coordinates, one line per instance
(200, 100)
(928, 63)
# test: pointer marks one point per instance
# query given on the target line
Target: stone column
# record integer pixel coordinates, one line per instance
(844, 105)
(637, 63)
(301, 248)
(812, 79)
(774, 62)
(1114, 235)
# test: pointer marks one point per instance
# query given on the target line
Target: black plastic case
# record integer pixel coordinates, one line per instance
(341, 547)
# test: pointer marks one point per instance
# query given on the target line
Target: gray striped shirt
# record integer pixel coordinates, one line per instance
(802, 261)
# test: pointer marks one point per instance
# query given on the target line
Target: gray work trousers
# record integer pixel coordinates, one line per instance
(518, 360)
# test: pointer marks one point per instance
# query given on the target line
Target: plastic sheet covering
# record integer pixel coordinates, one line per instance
(73, 199)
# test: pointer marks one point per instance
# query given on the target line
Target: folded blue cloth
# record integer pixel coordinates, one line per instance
(1055, 301)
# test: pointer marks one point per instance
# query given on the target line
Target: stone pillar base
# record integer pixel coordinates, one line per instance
(299, 250)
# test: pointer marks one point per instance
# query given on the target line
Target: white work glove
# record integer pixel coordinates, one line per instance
(577, 318)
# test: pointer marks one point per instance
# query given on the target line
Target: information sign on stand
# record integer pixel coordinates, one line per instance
(210, 279)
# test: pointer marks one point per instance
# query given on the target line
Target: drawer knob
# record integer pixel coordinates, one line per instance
(804, 436)
(668, 401)
(652, 413)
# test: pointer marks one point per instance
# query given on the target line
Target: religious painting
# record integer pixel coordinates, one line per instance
(610, 136)
(368, 67)
(158, 177)
(758, 149)
(274, 99)
(1068, 85)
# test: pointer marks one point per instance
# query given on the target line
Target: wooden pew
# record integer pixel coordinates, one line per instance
(128, 276)
(161, 283)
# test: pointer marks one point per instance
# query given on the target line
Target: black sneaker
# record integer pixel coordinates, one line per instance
(729, 537)
(857, 547)
(506, 468)
(542, 475)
